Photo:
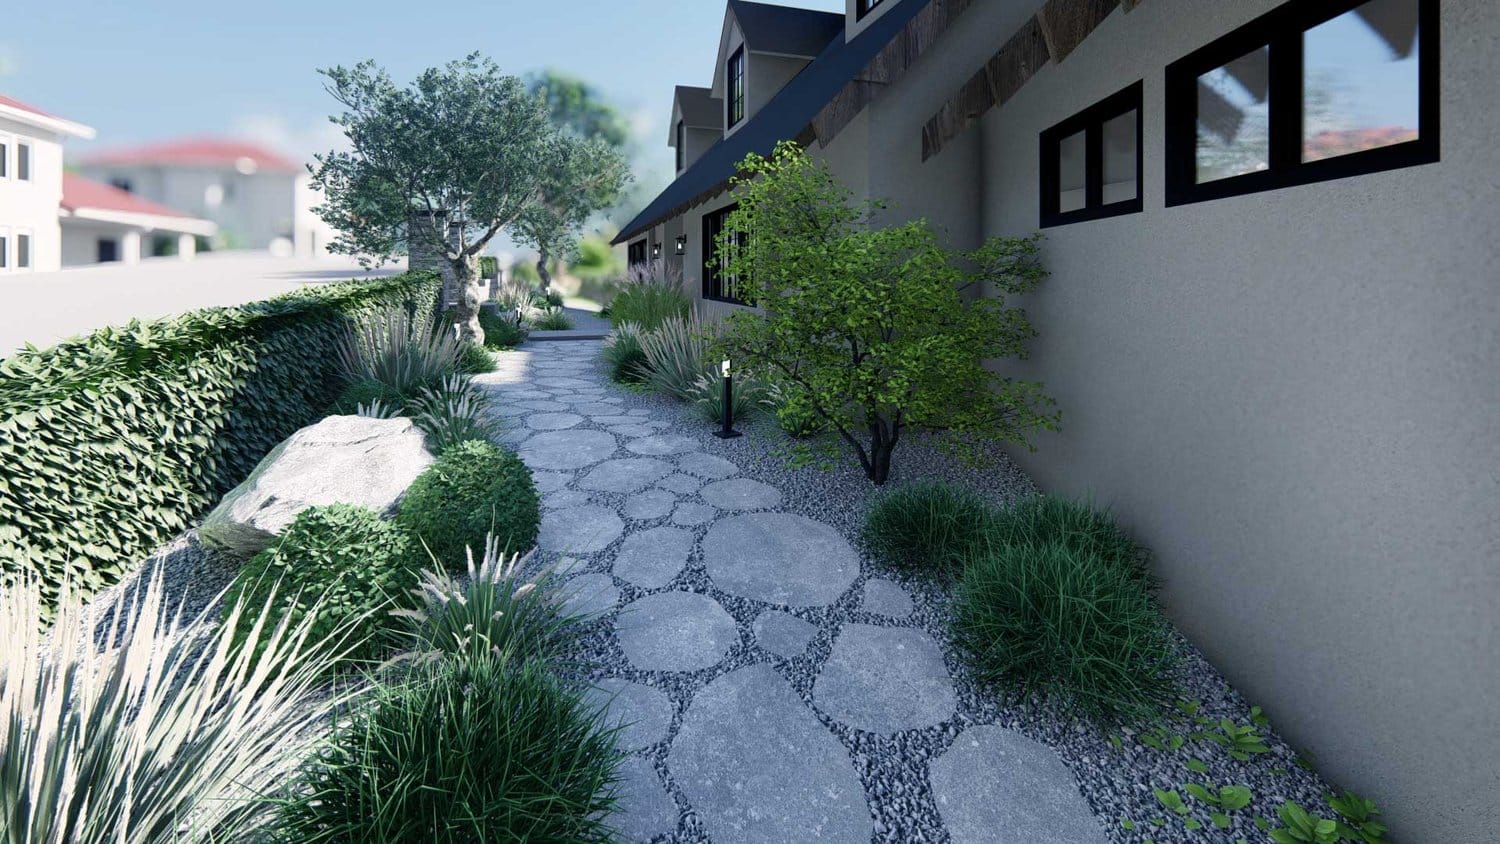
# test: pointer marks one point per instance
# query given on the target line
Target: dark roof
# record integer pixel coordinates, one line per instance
(700, 108)
(783, 118)
(784, 30)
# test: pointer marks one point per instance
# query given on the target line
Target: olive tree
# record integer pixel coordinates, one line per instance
(875, 329)
(446, 163)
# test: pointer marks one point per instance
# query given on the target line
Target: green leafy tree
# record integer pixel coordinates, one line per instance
(875, 329)
(582, 183)
(463, 147)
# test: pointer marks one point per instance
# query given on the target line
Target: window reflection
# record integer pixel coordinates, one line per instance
(1072, 164)
(1360, 80)
(1234, 118)
(1120, 158)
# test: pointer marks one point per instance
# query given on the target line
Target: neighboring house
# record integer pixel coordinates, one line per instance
(1273, 322)
(31, 185)
(102, 224)
(259, 198)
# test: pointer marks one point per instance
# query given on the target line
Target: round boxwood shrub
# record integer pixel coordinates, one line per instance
(1072, 623)
(927, 526)
(343, 562)
(463, 749)
(474, 489)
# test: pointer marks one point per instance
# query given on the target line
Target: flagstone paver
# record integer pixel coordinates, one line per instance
(660, 540)
(885, 680)
(758, 767)
(675, 631)
(1029, 795)
(652, 558)
(779, 558)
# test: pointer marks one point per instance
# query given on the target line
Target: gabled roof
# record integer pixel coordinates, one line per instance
(30, 114)
(784, 30)
(786, 117)
(243, 156)
(700, 108)
(87, 199)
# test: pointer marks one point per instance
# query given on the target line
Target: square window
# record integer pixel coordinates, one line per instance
(1091, 162)
(1304, 94)
(1360, 80)
(23, 161)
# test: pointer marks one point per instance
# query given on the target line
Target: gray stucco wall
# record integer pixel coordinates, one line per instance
(1294, 398)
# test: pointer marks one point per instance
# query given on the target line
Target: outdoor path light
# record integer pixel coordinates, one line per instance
(728, 432)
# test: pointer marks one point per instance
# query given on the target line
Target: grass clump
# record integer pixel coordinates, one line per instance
(393, 353)
(473, 490)
(677, 355)
(463, 749)
(501, 330)
(552, 319)
(927, 526)
(1045, 519)
(337, 566)
(1068, 622)
(453, 413)
(624, 355)
(147, 727)
(474, 360)
(647, 299)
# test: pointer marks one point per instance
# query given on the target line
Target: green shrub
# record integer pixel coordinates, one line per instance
(473, 490)
(400, 354)
(474, 360)
(453, 413)
(553, 319)
(623, 353)
(145, 740)
(708, 396)
(927, 526)
(489, 612)
(489, 266)
(364, 394)
(342, 565)
(544, 300)
(114, 442)
(795, 415)
(1071, 623)
(677, 354)
(501, 330)
(1045, 519)
(648, 300)
(462, 750)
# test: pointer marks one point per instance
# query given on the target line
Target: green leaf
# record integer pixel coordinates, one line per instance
(1197, 766)
(1220, 819)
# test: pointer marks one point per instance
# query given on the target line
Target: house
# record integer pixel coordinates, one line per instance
(258, 198)
(102, 223)
(1271, 324)
(31, 185)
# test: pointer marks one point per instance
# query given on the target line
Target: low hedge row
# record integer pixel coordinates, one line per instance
(112, 443)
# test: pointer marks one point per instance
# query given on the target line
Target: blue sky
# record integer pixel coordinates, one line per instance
(166, 68)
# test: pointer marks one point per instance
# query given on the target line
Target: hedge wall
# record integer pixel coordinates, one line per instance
(112, 443)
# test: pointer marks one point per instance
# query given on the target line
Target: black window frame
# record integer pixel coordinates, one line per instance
(734, 100)
(635, 253)
(1091, 122)
(1281, 31)
(864, 7)
(713, 282)
(681, 145)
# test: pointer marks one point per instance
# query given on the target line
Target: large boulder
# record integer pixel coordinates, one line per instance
(340, 460)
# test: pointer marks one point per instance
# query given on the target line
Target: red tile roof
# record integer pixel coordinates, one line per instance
(197, 152)
(14, 103)
(79, 192)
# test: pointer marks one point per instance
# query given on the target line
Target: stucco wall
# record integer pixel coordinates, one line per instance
(30, 207)
(1293, 398)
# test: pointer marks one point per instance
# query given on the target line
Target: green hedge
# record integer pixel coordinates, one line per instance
(112, 443)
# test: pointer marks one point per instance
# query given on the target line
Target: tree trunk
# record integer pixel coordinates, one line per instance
(542, 260)
(466, 298)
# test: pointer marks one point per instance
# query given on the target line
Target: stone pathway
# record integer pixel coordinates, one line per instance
(769, 691)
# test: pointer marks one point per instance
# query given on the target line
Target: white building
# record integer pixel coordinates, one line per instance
(31, 176)
(259, 198)
(101, 224)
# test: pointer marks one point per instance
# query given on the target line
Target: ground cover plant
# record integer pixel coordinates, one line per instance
(474, 360)
(157, 730)
(465, 748)
(473, 490)
(872, 322)
(1076, 524)
(931, 527)
(339, 567)
(114, 442)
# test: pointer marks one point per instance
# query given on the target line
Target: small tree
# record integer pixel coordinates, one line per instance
(876, 329)
(448, 163)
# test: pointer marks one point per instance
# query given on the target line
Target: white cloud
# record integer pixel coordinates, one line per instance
(280, 134)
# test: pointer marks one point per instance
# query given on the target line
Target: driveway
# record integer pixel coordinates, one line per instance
(43, 308)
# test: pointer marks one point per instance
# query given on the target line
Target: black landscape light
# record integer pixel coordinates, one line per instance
(728, 432)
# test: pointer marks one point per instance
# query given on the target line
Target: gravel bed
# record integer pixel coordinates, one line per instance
(1117, 783)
